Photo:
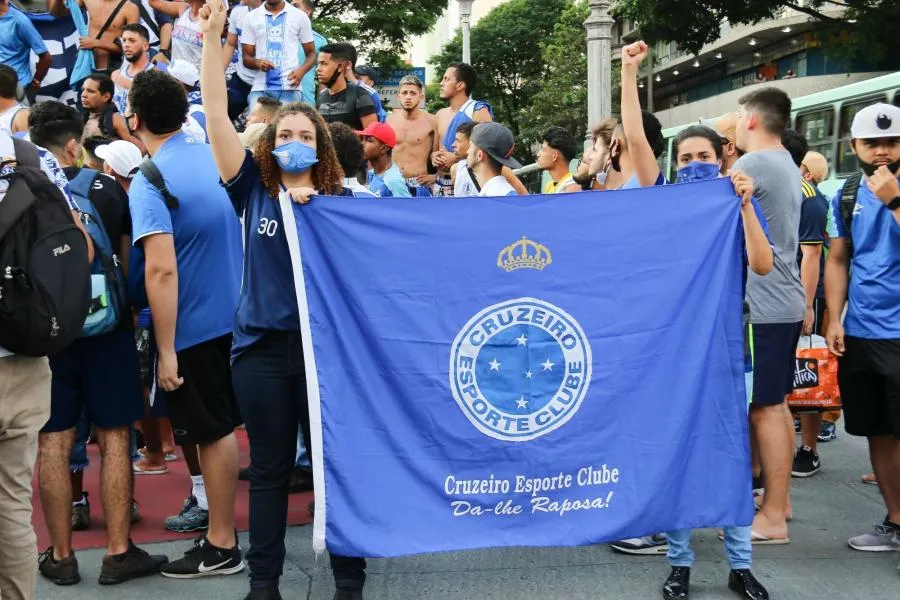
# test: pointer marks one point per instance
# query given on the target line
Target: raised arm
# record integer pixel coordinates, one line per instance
(58, 8)
(642, 157)
(223, 138)
(173, 9)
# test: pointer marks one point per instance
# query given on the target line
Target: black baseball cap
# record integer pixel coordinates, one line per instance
(497, 141)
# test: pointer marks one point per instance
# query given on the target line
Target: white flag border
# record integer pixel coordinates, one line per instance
(312, 375)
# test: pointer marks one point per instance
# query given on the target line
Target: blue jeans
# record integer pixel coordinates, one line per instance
(78, 457)
(283, 96)
(302, 457)
(737, 547)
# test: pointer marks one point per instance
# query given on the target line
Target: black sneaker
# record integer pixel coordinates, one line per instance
(348, 594)
(205, 560)
(267, 593)
(648, 544)
(60, 572)
(743, 582)
(806, 463)
(81, 513)
(827, 432)
(678, 585)
(131, 564)
(301, 481)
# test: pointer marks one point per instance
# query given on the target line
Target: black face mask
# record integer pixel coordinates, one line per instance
(869, 169)
(334, 77)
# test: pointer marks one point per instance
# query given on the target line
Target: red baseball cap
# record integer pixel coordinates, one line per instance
(382, 132)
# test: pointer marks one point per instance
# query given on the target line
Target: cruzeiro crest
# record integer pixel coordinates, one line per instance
(520, 369)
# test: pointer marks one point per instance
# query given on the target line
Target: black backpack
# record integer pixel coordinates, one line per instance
(848, 203)
(44, 268)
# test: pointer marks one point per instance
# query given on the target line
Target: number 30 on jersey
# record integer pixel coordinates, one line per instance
(267, 227)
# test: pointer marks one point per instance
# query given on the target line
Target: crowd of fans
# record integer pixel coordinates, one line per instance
(198, 123)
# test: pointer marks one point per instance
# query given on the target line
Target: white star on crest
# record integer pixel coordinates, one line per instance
(522, 340)
(522, 402)
(548, 366)
(528, 374)
(495, 366)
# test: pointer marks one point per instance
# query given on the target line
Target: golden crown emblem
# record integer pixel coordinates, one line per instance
(524, 254)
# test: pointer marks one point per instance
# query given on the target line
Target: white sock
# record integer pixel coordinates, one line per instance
(198, 489)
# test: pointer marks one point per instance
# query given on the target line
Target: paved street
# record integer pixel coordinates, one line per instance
(829, 508)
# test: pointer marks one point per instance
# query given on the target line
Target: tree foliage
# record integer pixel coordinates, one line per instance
(562, 93)
(693, 23)
(381, 28)
(507, 55)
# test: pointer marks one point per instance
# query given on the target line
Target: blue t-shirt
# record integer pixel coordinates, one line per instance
(376, 99)
(388, 184)
(632, 183)
(18, 38)
(308, 83)
(873, 310)
(813, 222)
(268, 300)
(206, 233)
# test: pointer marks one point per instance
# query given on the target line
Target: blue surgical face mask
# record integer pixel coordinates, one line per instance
(295, 157)
(697, 171)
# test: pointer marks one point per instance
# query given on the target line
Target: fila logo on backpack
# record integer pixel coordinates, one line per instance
(44, 275)
(108, 303)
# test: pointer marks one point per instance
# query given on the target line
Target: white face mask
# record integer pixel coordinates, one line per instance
(601, 177)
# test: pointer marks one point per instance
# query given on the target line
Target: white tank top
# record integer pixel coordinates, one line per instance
(120, 96)
(187, 39)
(464, 187)
(6, 118)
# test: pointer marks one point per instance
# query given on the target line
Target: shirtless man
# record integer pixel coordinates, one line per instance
(416, 132)
(456, 88)
(102, 118)
(98, 12)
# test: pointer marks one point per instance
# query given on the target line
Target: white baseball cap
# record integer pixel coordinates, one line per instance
(184, 72)
(121, 156)
(877, 121)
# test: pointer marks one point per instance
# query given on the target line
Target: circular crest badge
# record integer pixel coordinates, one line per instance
(520, 369)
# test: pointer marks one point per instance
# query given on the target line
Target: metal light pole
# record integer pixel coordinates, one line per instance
(465, 15)
(599, 49)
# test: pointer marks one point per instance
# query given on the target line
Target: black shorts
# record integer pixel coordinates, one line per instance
(869, 377)
(774, 353)
(204, 408)
(96, 375)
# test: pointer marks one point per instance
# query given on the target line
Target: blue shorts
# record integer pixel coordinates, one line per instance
(283, 96)
(774, 353)
(99, 376)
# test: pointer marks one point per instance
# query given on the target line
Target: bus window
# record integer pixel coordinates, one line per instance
(847, 162)
(818, 129)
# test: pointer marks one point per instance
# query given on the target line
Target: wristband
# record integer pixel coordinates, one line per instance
(894, 204)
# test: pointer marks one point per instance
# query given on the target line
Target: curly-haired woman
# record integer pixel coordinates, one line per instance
(293, 159)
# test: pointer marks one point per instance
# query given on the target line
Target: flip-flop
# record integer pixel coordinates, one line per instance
(141, 471)
(867, 481)
(759, 539)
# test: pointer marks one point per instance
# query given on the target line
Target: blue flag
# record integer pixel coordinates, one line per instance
(523, 371)
(61, 38)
